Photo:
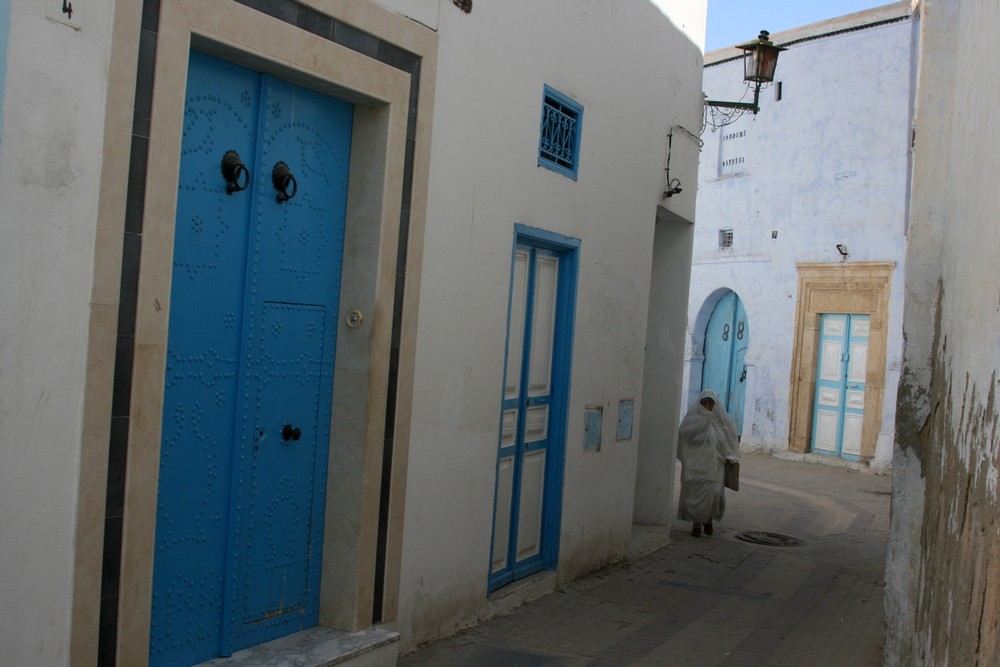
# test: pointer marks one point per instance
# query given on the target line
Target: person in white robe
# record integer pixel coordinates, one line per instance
(707, 440)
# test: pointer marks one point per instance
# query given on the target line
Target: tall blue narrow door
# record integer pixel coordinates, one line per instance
(839, 406)
(248, 395)
(727, 339)
(533, 415)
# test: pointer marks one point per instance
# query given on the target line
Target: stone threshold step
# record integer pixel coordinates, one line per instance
(319, 647)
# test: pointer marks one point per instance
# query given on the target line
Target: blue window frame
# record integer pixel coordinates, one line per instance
(559, 145)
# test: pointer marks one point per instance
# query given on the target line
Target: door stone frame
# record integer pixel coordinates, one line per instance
(367, 72)
(855, 288)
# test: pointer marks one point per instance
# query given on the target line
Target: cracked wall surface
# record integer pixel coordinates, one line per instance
(958, 599)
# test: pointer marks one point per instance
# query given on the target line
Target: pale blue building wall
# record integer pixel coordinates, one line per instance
(825, 163)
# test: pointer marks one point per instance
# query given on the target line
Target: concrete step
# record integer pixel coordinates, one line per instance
(320, 647)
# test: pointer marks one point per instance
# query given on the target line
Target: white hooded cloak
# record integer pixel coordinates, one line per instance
(707, 440)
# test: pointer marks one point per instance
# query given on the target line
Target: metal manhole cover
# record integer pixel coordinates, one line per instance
(768, 539)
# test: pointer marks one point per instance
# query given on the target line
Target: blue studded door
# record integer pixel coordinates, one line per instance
(247, 402)
(727, 339)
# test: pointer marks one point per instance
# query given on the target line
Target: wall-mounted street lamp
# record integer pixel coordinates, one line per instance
(760, 58)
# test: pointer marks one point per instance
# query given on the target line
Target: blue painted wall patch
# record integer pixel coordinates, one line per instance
(625, 408)
(593, 418)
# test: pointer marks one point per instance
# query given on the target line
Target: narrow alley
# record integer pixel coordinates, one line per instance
(719, 600)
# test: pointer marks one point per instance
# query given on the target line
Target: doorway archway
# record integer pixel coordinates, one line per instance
(726, 341)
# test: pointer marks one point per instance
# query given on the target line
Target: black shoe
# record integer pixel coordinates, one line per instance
(709, 528)
(696, 530)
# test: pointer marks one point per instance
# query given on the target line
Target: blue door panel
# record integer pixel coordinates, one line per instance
(521, 568)
(203, 366)
(552, 444)
(833, 407)
(719, 348)
(284, 382)
(737, 368)
(294, 289)
(727, 339)
(254, 303)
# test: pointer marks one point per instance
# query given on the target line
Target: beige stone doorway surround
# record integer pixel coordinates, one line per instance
(381, 94)
(857, 288)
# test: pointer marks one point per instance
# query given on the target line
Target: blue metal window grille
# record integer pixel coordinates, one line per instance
(559, 147)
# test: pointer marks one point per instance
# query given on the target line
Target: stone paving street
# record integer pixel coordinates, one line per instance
(718, 600)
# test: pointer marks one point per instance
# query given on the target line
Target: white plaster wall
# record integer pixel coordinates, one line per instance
(827, 164)
(636, 74)
(49, 170)
(421, 11)
(970, 272)
(951, 323)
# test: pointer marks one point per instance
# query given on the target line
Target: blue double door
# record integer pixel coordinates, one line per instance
(252, 333)
(528, 497)
(839, 405)
(727, 339)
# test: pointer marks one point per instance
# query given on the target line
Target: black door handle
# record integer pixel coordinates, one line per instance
(235, 172)
(290, 433)
(282, 179)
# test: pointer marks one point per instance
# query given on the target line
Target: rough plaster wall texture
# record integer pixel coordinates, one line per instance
(493, 64)
(959, 597)
(929, 212)
(825, 165)
(959, 593)
(49, 170)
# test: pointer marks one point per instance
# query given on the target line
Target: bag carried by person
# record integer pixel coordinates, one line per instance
(733, 475)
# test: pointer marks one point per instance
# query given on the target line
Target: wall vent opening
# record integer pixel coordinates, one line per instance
(732, 150)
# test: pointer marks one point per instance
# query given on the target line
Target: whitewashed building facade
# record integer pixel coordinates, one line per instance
(329, 316)
(795, 312)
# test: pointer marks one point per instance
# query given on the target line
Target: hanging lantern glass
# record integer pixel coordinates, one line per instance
(760, 58)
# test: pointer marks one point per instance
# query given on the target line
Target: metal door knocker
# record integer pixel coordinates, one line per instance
(235, 172)
(290, 433)
(282, 178)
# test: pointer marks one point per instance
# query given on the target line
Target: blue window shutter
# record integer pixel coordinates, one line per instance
(559, 142)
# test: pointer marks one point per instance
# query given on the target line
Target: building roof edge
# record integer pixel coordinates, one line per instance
(868, 18)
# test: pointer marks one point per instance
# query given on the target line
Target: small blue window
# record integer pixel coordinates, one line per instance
(559, 147)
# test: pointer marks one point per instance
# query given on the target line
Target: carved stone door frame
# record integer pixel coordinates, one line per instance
(859, 288)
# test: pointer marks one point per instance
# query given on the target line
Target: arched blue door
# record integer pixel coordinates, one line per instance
(250, 352)
(727, 339)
